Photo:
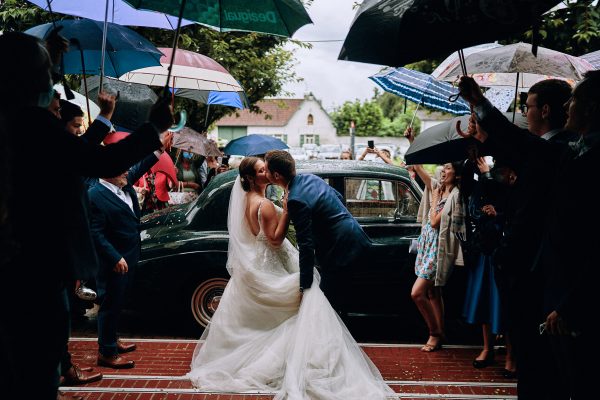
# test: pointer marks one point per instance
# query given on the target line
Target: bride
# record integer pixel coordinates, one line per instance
(265, 335)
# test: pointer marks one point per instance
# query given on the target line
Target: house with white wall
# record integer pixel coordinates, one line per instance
(295, 121)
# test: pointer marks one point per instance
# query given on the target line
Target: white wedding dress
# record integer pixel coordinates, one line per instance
(266, 337)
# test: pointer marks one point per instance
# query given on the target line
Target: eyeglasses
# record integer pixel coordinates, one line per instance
(525, 107)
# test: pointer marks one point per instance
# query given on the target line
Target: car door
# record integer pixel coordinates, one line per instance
(387, 210)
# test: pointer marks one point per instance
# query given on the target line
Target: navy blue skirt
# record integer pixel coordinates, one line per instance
(482, 299)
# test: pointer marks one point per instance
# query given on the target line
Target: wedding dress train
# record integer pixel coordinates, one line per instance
(265, 336)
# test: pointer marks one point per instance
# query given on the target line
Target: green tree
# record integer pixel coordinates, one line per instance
(574, 30)
(366, 115)
(259, 62)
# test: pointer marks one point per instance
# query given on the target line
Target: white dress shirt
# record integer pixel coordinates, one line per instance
(124, 196)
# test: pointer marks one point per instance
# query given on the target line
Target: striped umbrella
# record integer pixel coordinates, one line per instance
(422, 89)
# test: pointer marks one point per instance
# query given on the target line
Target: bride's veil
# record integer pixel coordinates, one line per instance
(241, 239)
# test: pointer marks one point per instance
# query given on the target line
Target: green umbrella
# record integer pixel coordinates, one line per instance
(276, 17)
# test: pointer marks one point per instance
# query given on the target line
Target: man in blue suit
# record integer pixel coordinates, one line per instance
(325, 229)
(115, 223)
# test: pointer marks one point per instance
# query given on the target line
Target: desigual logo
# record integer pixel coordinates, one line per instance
(251, 16)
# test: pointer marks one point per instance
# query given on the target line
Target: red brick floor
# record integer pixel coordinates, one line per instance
(160, 365)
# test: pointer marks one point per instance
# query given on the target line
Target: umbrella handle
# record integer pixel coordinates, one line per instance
(182, 121)
(453, 98)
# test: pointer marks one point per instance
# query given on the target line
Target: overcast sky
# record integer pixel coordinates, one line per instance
(331, 81)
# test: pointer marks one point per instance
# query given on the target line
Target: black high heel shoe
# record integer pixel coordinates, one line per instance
(486, 362)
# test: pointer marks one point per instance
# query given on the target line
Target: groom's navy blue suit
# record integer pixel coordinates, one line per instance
(325, 230)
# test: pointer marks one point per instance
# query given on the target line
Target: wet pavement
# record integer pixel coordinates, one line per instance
(161, 364)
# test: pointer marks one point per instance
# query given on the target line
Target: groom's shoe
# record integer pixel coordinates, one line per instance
(115, 361)
(124, 347)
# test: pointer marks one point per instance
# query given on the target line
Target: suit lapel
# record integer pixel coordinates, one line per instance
(113, 198)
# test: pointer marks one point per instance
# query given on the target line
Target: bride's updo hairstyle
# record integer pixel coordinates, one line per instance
(247, 172)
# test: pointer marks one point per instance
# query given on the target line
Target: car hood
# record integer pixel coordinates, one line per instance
(165, 219)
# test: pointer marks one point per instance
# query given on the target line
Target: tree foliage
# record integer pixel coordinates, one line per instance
(258, 61)
(573, 30)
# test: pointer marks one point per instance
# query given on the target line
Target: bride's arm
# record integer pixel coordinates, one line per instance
(274, 225)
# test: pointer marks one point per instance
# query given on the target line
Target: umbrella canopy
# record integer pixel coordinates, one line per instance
(441, 143)
(80, 101)
(383, 31)
(453, 60)
(119, 12)
(199, 74)
(126, 50)
(189, 140)
(422, 89)
(135, 100)
(499, 66)
(277, 17)
(253, 145)
(593, 58)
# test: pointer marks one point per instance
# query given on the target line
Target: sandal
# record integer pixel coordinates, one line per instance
(430, 348)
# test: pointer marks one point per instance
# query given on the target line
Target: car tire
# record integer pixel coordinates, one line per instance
(205, 299)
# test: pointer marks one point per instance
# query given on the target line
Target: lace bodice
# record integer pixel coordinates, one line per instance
(278, 260)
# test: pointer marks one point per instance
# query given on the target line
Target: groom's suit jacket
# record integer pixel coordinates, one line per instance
(324, 227)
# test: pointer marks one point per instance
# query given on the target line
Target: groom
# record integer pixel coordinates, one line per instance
(324, 227)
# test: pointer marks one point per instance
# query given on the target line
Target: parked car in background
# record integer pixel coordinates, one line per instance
(312, 150)
(330, 151)
(298, 153)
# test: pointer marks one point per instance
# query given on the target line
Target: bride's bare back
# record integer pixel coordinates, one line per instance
(274, 226)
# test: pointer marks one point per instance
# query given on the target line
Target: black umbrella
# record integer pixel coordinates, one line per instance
(398, 32)
(441, 143)
(133, 105)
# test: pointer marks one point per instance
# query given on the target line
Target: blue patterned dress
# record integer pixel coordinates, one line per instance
(427, 246)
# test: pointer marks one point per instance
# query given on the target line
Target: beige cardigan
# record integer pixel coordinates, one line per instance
(449, 252)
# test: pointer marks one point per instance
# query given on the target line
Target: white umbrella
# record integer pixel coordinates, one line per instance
(514, 65)
(190, 71)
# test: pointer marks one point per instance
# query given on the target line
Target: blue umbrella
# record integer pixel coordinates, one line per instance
(126, 50)
(422, 89)
(119, 12)
(253, 145)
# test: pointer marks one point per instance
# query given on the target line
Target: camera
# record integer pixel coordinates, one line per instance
(371, 144)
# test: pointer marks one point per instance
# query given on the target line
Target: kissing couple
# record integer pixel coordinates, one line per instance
(276, 328)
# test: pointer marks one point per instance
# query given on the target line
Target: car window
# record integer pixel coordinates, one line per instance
(408, 205)
(378, 198)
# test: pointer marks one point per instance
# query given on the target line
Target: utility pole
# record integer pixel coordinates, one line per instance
(352, 131)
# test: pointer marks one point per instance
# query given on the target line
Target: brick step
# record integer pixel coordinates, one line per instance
(176, 385)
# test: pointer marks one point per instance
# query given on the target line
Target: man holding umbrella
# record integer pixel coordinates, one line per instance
(36, 250)
(564, 265)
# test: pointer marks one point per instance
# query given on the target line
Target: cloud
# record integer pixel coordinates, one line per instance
(330, 80)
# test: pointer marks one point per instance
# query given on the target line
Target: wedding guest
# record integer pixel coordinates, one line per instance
(565, 260)
(441, 214)
(45, 251)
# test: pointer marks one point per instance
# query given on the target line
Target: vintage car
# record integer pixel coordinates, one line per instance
(184, 248)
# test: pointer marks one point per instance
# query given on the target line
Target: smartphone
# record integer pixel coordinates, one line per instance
(225, 161)
(371, 144)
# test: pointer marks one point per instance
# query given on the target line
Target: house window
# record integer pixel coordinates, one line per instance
(312, 139)
(310, 120)
(232, 132)
(281, 136)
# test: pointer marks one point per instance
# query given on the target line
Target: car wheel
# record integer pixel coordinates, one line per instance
(206, 298)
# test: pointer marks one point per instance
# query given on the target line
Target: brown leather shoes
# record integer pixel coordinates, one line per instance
(115, 361)
(77, 376)
(124, 347)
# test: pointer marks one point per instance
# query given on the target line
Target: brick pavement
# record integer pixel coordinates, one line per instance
(160, 365)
